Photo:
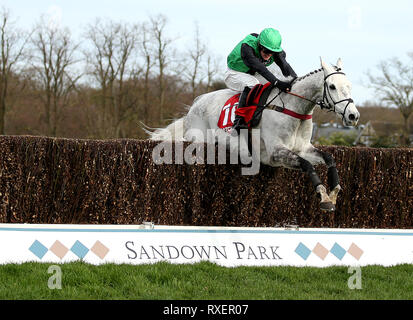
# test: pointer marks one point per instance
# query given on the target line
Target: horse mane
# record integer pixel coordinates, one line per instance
(308, 74)
(313, 72)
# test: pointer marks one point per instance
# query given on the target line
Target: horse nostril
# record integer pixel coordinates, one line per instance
(352, 117)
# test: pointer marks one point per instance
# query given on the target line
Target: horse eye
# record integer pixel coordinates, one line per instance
(332, 87)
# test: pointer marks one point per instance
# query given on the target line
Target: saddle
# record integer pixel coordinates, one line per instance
(251, 112)
(255, 104)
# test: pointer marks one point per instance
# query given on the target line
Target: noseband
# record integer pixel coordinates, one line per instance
(325, 103)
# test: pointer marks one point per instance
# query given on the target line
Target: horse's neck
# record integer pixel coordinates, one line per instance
(310, 87)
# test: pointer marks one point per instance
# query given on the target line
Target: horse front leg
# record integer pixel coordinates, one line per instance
(334, 193)
(332, 174)
(287, 158)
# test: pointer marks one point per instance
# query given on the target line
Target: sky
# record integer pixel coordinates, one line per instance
(360, 32)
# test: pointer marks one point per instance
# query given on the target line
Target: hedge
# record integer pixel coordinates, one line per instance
(55, 180)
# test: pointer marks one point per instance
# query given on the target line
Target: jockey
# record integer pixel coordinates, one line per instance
(250, 57)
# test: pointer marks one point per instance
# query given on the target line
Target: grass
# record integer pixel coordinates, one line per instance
(201, 281)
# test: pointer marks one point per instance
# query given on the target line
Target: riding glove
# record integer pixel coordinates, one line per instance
(283, 86)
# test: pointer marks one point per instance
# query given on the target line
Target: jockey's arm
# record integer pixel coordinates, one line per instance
(286, 69)
(255, 65)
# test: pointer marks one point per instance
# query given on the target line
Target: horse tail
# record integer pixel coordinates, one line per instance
(173, 132)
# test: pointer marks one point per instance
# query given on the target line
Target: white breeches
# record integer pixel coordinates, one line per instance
(237, 81)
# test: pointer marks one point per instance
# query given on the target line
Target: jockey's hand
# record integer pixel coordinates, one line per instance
(283, 86)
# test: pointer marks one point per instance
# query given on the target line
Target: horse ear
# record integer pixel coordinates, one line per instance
(327, 69)
(340, 63)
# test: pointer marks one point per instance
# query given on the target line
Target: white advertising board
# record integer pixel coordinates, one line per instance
(226, 246)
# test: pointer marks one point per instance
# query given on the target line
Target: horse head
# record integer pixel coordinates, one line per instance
(337, 94)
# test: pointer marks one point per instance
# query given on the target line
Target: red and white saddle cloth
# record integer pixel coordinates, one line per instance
(230, 108)
(227, 116)
(256, 97)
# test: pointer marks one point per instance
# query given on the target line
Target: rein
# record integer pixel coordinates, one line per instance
(284, 110)
(324, 104)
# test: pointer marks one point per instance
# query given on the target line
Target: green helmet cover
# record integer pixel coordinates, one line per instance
(271, 39)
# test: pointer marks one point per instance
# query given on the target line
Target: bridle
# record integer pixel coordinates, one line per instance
(324, 103)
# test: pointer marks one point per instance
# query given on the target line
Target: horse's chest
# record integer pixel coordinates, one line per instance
(301, 136)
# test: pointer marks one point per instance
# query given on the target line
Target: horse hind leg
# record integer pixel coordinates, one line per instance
(196, 128)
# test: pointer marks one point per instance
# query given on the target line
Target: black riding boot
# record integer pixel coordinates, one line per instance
(239, 122)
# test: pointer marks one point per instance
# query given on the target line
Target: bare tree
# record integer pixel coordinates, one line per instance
(212, 72)
(112, 66)
(148, 53)
(200, 67)
(395, 86)
(12, 45)
(193, 65)
(53, 53)
(162, 56)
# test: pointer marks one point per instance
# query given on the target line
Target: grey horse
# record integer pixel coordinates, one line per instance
(284, 137)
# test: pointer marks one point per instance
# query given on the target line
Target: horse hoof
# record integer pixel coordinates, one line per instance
(327, 206)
